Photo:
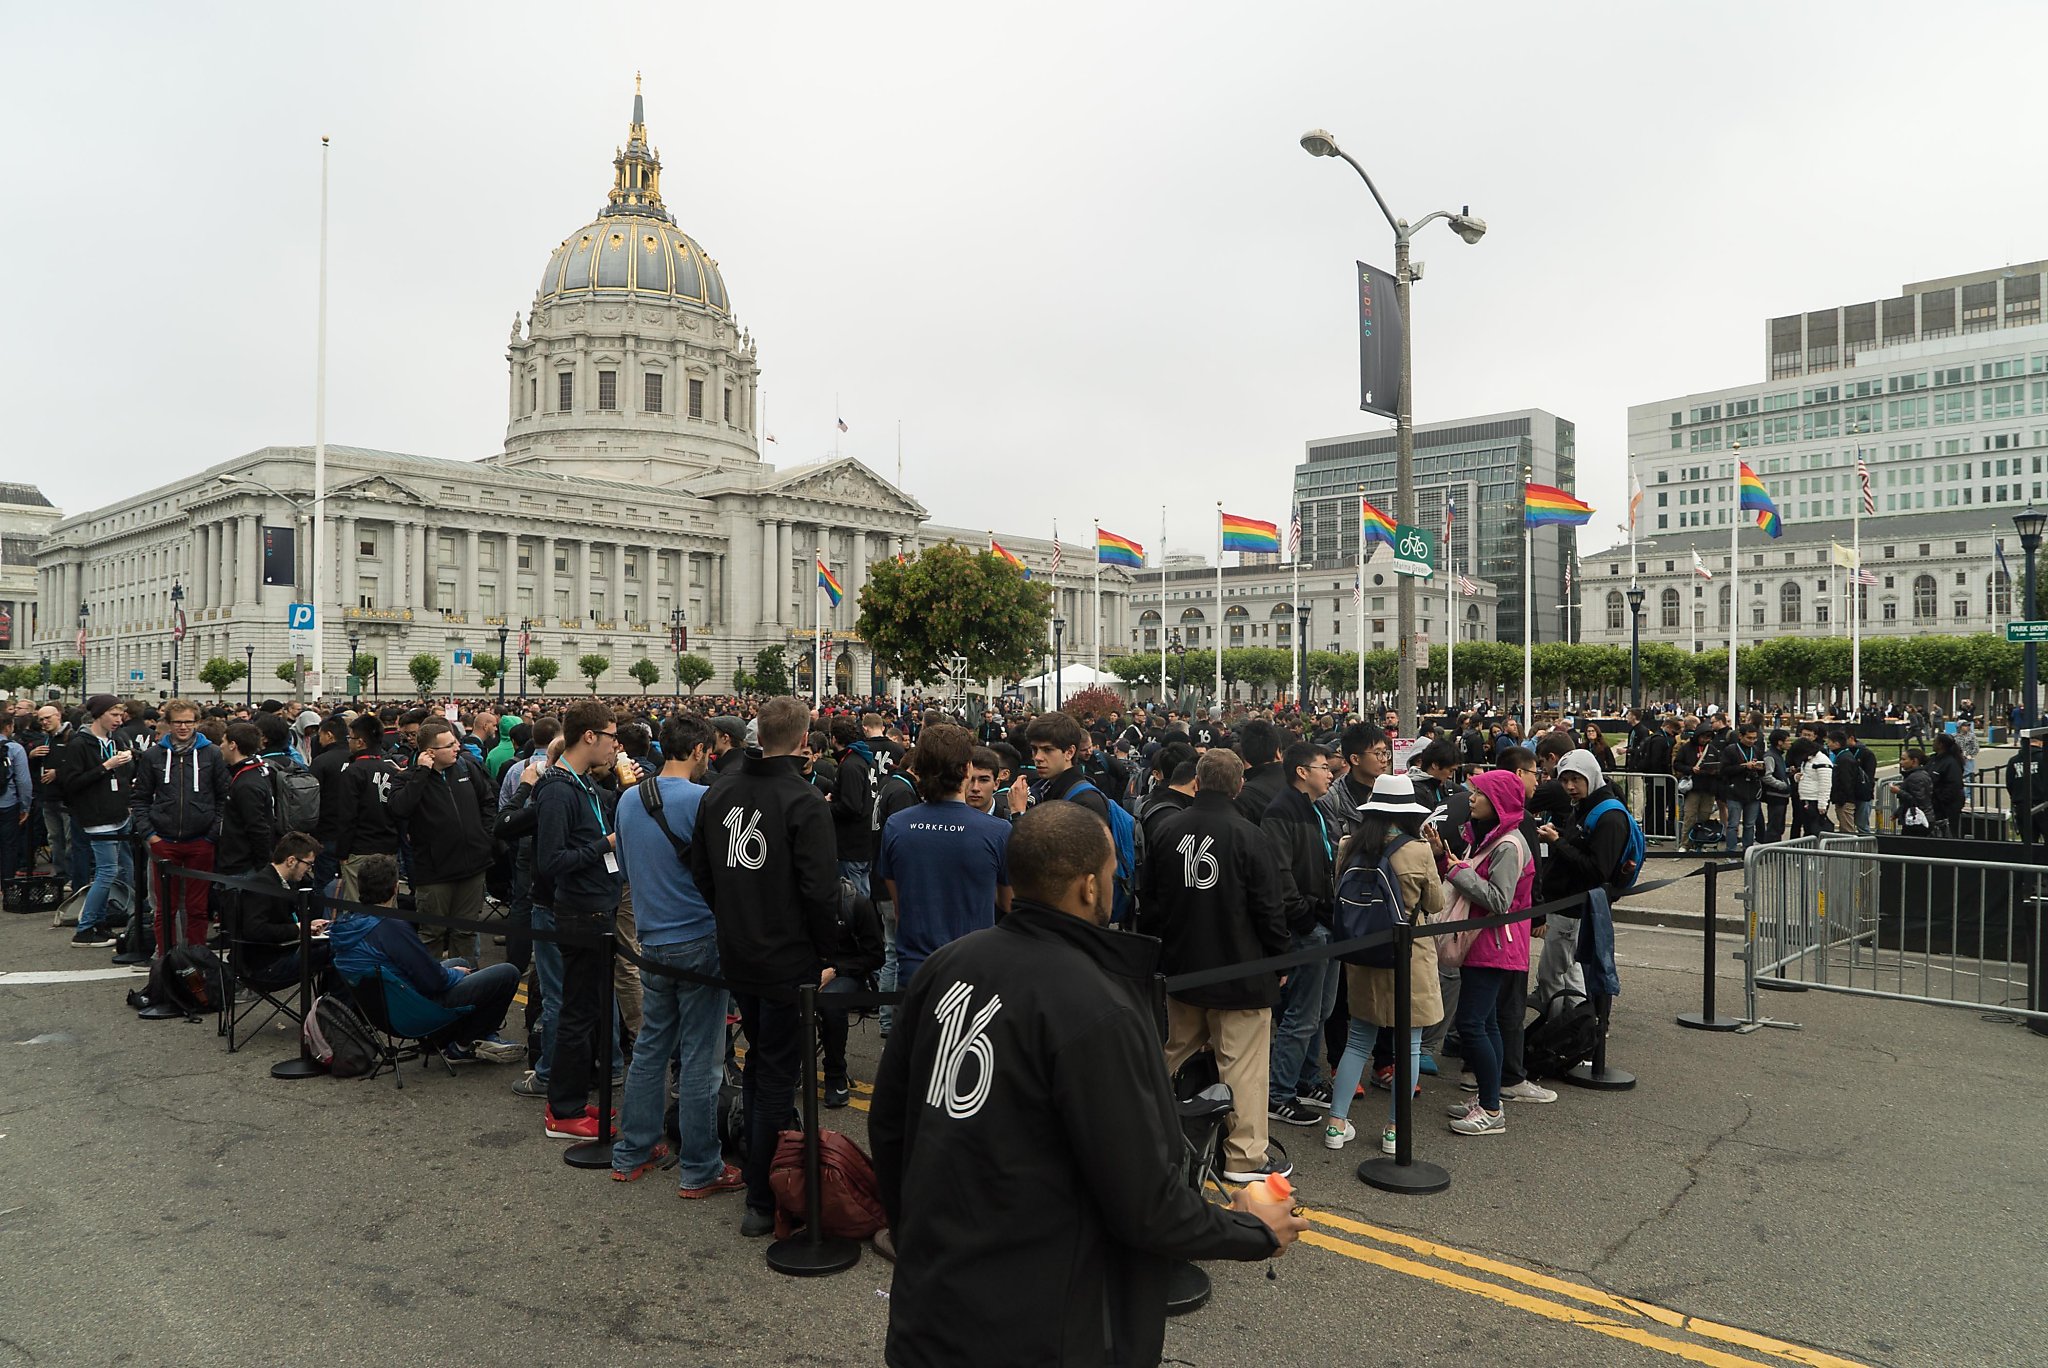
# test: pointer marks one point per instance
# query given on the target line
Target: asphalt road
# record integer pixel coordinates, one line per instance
(1863, 1191)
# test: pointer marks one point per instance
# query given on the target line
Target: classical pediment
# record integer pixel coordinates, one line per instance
(845, 481)
(379, 489)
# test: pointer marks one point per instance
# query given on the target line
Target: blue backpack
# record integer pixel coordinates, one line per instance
(1369, 901)
(1123, 830)
(1632, 863)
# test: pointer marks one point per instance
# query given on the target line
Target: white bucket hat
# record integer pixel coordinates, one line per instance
(1394, 794)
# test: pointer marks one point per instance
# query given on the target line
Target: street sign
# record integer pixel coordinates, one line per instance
(2036, 630)
(1414, 551)
(135, 676)
(464, 657)
(299, 617)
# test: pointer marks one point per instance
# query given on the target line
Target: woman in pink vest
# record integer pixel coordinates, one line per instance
(1499, 877)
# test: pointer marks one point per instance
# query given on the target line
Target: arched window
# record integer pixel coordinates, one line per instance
(1788, 603)
(1723, 615)
(1998, 595)
(1472, 623)
(1614, 610)
(1235, 617)
(1923, 598)
(1667, 609)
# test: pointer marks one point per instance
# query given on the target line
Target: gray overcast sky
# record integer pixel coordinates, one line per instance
(1074, 248)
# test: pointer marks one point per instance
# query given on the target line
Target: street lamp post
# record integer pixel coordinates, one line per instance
(1179, 653)
(1635, 647)
(2030, 524)
(504, 632)
(1059, 661)
(675, 639)
(177, 632)
(355, 654)
(1301, 648)
(1319, 143)
(249, 681)
(83, 614)
(525, 642)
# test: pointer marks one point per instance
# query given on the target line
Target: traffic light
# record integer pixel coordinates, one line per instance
(165, 672)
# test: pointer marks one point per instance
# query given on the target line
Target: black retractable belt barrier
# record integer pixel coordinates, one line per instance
(303, 1065)
(1403, 1173)
(1706, 1018)
(810, 1253)
(597, 1154)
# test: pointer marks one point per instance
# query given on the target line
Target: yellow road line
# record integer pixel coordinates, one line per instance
(1549, 1310)
(1592, 1296)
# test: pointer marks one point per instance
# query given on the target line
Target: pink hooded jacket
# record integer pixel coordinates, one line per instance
(1502, 947)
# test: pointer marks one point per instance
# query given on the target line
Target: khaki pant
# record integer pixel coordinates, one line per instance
(1845, 817)
(1699, 807)
(625, 973)
(351, 871)
(1242, 1041)
(462, 898)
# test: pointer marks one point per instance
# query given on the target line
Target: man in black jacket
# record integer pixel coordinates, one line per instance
(763, 855)
(1215, 900)
(853, 801)
(1743, 761)
(1025, 1136)
(96, 774)
(1367, 754)
(1264, 776)
(448, 806)
(181, 786)
(327, 767)
(363, 824)
(576, 888)
(1171, 793)
(1304, 849)
(1055, 741)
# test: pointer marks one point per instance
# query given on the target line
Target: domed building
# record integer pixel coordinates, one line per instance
(630, 364)
(629, 506)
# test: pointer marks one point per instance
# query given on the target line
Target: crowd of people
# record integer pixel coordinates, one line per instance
(990, 869)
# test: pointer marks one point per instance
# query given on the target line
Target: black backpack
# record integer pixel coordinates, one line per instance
(295, 794)
(338, 1038)
(192, 979)
(1563, 1036)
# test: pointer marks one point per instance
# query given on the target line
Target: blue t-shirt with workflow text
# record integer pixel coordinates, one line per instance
(947, 860)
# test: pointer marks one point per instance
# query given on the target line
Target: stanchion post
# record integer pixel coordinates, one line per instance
(1706, 1018)
(1403, 1173)
(593, 1154)
(811, 1254)
(304, 1066)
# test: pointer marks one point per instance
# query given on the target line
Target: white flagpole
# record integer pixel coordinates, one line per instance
(1219, 606)
(1162, 603)
(1856, 593)
(1450, 619)
(318, 589)
(1734, 589)
(1358, 604)
(1098, 595)
(1528, 615)
(817, 631)
(1295, 532)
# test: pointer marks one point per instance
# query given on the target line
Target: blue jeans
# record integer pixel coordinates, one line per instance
(109, 856)
(857, 871)
(1745, 824)
(1305, 1004)
(1358, 1046)
(1479, 1027)
(547, 959)
(1863, 817)
(686, 1022)
(890, 980)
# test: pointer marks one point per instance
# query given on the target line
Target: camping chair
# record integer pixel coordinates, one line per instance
(281, 999)
(1203, 1105)
(406, 1024)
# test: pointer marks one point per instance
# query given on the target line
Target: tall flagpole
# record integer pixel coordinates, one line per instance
(1450, 613)
(1162, 603)
(1856, 591)
(1219, 609)
(1098, 595)
(817, 631)
(318, 591)
(1358, 606)
(1294, 535)
(1734, 582)
(1528, 614)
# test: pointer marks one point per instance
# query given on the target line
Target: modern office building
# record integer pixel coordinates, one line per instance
(1942, 391)
(1479, 462)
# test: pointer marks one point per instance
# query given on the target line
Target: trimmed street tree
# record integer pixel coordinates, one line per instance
(693, 670)
(220, 673)
(953, 601)
(646, 672)
(425, 669)
(591, 666)
(488, 668)
(542, 671)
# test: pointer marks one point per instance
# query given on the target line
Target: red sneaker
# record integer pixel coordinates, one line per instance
(582, 1127)
(640, 1170)
(727, 1181)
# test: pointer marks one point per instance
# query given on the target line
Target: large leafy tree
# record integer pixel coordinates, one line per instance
(425, 669)
(692, 670)
(220, 673)
(542, 671)
(952, 601)
(592, 666)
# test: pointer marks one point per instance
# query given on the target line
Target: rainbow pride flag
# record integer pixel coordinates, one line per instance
(1249, 534)
(1376, 525)
(1547, 507)
(1757, 500)
(1110, 549)
(1009, 557)
(829, 582)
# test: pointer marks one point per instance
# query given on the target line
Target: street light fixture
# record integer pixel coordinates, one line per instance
(525, 642)
(1301, 648)
(1059, 660)
(355, 654)
(2030, 524)
(177, 632)
(1635, 647)
(249, 681)
(83, 614)
(1320, 142)
(503, 633)
(675, 639)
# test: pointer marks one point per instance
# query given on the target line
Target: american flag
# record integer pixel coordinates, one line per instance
(1863, 476)
(1863, 577)
(1357, 596)
(1294, 535)
(842, 424)
(1056, 554)
(1467, 587)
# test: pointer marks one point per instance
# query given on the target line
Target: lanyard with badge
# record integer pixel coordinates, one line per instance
(107, 749)
(611, 858)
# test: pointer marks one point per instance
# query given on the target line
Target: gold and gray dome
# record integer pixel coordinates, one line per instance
(634, 247)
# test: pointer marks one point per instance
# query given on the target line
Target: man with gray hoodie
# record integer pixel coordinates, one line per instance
(1581, 859)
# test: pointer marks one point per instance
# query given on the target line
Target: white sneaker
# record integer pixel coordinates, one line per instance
(1480, 1121)
(1387, 1141)
(1529, 1090)
(1334, 1138)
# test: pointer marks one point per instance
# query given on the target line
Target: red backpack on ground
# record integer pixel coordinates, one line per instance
(850, 1206)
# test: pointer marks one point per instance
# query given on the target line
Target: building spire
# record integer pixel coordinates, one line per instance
(636, 171)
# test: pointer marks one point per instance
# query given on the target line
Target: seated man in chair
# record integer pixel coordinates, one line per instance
(263, 922)
(366, 946)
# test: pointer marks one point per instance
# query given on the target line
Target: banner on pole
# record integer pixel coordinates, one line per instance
(1379, 343)
(279, 555)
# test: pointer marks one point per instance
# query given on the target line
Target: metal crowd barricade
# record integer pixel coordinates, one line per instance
(1653, 798)
(1837, 914)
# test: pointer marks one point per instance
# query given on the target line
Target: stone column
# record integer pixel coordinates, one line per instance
(423, 556)
(250, 544)
(579, 587)
(345, 576)
(615, 602)
(472, 592)
(784, 551)
(544, 582)
(767, 614)
(202, 588)
(720, 606)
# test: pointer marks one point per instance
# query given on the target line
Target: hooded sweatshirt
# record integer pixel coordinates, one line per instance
(502, 754)
(1500, 877)
(179, 793)
(1588, 857)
